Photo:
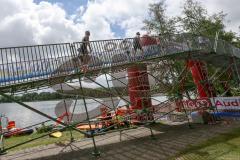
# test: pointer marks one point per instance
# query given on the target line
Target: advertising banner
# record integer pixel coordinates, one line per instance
(196, 104)
(221, 103)
(226, 103)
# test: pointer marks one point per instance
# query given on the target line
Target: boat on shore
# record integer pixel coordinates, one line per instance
(17, 132)
(9, 129)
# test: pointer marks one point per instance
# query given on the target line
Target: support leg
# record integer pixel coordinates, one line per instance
(189, 124)
(95, 152)
(2, 150)
(114, 107)
(68, 119)
(120, 136)
(152, 135)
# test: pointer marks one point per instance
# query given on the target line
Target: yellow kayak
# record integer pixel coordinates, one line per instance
(56, 134)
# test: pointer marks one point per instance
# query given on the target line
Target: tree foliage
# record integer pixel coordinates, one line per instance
(46, 96)
(195, 20)
(158, 22)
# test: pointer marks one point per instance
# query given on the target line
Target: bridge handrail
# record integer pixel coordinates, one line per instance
(27, 63)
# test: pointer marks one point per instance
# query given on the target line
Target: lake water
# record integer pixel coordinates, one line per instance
(25, 117)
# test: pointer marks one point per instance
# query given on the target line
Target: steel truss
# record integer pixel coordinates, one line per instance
(55, 57)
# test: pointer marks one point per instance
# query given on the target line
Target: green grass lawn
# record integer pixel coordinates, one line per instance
(42, 141)
(66, 137)
(222, 147)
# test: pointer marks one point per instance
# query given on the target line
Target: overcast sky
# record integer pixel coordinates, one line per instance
(24, 22)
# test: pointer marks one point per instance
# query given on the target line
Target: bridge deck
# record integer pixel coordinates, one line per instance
(28, 67)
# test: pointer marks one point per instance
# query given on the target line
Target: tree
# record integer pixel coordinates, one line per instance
(195, 20)
(158, 22)
(166, 71)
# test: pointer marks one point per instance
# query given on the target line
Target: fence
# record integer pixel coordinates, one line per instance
(32, 63)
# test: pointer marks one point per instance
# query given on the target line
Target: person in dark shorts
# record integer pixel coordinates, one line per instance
(136, 43)
(83, 50)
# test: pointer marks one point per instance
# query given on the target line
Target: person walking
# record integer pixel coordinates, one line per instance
(83, 51)
(136, 44)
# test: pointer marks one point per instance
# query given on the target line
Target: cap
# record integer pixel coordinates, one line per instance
(137, 33)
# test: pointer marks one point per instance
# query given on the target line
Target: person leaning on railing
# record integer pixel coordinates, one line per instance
(83, 52)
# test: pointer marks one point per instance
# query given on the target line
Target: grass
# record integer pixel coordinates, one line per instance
(66, 138)
(40, 142)
(222, 147)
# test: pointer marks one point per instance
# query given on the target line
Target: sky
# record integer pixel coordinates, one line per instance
(25, 22)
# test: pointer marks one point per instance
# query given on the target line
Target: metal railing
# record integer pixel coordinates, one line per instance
(32, 63)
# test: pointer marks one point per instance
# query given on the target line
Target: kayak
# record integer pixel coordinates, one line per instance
(18, 132)
(56, 134)
(86, 127)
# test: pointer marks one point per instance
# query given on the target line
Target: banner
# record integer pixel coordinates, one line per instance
(196, 104)
(221, 103)
(226, 103)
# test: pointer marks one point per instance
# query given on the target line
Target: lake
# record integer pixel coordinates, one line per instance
(25, 117)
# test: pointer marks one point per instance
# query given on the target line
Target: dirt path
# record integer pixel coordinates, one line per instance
(136, 144)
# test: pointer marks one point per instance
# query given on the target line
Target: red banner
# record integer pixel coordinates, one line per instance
(195, 104)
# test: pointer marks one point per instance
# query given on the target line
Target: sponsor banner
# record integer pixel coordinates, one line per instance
(226, 103)
(222, 103)
(196, 104)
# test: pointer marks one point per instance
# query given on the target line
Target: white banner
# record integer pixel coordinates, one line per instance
(226, 103)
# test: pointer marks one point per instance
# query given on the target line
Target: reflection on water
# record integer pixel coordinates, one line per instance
(25, 117)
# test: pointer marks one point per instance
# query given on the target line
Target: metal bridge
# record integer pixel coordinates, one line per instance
(28, 67)
(32, 67)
